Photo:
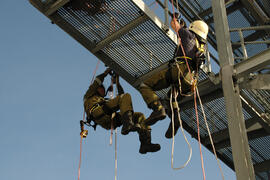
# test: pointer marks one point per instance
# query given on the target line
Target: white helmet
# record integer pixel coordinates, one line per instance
(200, 28)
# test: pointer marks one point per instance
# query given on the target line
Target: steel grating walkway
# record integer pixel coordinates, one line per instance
(131, 39)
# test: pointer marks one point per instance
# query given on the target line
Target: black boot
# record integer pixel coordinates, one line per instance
(128, 124)
(146, 145)
(176, 125)
(157, 114)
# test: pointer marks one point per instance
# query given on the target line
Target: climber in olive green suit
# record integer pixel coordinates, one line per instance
(181, 69)
(101, 111)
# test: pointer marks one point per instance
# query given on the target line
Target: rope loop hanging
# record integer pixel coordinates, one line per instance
(173, 91)
(193, 89)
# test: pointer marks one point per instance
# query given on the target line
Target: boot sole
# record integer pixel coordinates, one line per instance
(145, 151)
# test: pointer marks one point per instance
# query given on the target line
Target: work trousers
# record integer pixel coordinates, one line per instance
(102, 114)
(163, 79)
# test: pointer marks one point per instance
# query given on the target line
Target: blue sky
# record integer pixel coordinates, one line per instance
(44, 74)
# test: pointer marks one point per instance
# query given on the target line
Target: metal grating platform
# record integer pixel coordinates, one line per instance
(130, 38)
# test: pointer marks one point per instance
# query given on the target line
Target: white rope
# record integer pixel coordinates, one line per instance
(111, 95)
(179, 81)
(180, 121)
(209, 133)
(115, 154)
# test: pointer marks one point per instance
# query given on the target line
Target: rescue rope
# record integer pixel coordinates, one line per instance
(112, 127)
(210, 136)
(182, 129)
(95, 71)
(180, 42)
(115, 155)
(82, 136)
(198, 128)
(197, 91)
(111, 95)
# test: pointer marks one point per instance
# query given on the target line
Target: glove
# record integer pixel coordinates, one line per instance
(177, 15)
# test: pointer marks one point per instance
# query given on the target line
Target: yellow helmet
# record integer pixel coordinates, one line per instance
(200, 28)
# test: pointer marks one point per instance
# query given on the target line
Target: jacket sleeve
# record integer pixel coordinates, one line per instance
(93, 87)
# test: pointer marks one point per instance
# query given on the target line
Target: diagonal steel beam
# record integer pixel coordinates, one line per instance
(119, 33)
(252, 64)
(260, 81)
(158, 22)
(55, 6)
(256, 11)
(229, 10)
(251, 135)
(38, 4)
(254, 111)
(68, 28)
(251, 124)
(209, 11)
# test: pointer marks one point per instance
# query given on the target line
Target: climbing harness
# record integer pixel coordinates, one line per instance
(182, 129)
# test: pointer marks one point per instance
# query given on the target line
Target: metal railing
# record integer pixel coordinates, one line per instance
(242, 41)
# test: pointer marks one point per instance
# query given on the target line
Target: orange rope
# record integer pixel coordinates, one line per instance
(199, 138)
